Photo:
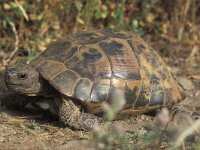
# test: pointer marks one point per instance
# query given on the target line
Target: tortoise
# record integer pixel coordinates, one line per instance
(94, 69)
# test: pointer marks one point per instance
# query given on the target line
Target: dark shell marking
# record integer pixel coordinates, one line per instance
(108, 66)
(65, 82)
(121, 59)
(89, 62)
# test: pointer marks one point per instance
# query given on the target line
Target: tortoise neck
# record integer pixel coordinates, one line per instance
(47, 90)
(3, 89)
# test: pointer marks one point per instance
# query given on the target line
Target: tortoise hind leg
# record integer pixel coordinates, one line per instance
(70, 115)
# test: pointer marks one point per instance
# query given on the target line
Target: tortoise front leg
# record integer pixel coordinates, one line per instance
(70, 115)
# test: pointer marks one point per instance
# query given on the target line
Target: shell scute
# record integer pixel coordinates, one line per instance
(158, 96)
(121, 59)
(117, 91)
(100, 91)
(49, 69)
(132, 91)
(82, 89)
(58, 51)
(65, 82)
(89, 62)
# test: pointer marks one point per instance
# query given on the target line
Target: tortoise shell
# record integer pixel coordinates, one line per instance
(106, 66)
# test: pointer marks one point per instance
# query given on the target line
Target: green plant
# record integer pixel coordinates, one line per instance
(136, 27)
(119, 14)
(33, 125)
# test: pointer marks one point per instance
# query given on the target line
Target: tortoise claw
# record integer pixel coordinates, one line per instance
(88, 121)
(71, 115)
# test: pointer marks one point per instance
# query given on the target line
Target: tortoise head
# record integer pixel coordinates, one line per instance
(23, 79)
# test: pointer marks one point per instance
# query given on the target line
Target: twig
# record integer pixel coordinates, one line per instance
(174, 40)
(7, 118)
(186, 133)
(22, 10)
(187, 6)
(6, 62)
(194, 51)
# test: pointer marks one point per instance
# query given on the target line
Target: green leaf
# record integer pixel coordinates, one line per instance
(134, 24)
(180, 34)
(78, 5)
(81, 21)
(136, 27)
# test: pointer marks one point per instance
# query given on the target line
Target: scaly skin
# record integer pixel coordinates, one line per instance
(71, 116)
(3, 89)
(11, 100)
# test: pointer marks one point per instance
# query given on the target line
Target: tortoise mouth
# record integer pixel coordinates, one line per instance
(19, 89)
(16, 88)
(13, 86)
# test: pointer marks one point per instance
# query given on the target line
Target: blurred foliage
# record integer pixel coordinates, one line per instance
(39, 22)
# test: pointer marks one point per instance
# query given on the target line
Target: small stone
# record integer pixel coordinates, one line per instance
(185, 83)
(6, 6)
(175, 70)
(101, 146)
(142, 117)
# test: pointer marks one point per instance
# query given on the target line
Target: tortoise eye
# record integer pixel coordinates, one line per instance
(22, 76)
